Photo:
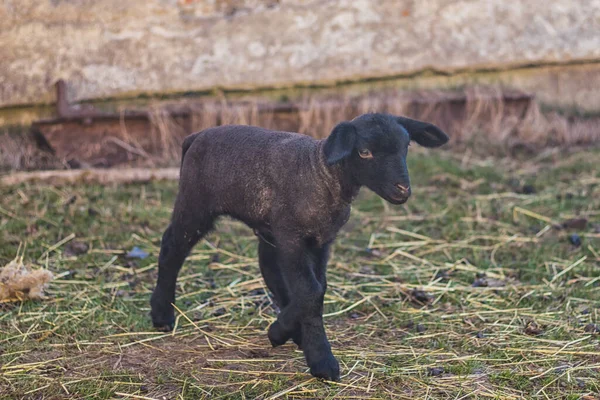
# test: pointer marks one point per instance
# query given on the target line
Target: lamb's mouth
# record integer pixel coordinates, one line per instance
(397, 200)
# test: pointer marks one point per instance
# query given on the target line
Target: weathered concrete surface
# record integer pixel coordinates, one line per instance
(112, 48)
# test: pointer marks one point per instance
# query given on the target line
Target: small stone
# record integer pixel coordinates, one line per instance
(75, 248)
(533, 329)
(435, 371)
(592, 328)
(259, 353)
(528, 189)
(420, 296)
(480, 335)
(480, 282)
(575, 240)
(218, 312)
(421, 328)
(355, 315)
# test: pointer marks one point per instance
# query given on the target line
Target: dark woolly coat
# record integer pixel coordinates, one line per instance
(265, 178)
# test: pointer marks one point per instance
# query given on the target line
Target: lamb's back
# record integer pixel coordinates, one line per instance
(239, 169)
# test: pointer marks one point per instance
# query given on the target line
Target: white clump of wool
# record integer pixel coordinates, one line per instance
(19, 282)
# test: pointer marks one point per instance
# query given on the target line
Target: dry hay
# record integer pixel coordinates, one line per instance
(91, 176)
(470, 292)
(491, 118)
(488, 119)
(19, 282)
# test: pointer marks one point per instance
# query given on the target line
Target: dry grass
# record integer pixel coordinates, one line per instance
(19, 151)
(485, 118)
(478, 117)
(470, 290)
(91, 176)
(477, 114)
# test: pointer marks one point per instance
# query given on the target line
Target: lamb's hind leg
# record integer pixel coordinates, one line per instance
(178, 240)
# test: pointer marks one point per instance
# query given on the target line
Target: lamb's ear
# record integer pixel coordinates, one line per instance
(340, 143)
(426, 134)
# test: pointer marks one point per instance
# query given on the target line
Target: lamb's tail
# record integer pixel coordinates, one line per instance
(187, 142)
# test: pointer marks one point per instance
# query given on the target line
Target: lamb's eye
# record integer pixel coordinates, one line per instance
(365, 153)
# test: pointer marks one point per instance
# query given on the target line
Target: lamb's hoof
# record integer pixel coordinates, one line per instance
(163, 321)
(326, 368)
(162, 312)
(164, 327)
(276, 335)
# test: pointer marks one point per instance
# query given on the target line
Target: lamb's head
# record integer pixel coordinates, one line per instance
(372, 149)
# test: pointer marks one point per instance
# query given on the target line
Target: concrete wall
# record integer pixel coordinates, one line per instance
(115, 48)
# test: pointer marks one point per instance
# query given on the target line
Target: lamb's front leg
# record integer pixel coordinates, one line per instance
(306, 287)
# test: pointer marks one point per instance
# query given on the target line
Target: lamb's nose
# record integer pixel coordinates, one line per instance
(403, 189)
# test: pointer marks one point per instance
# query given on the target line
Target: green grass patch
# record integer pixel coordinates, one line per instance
(469, 289)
